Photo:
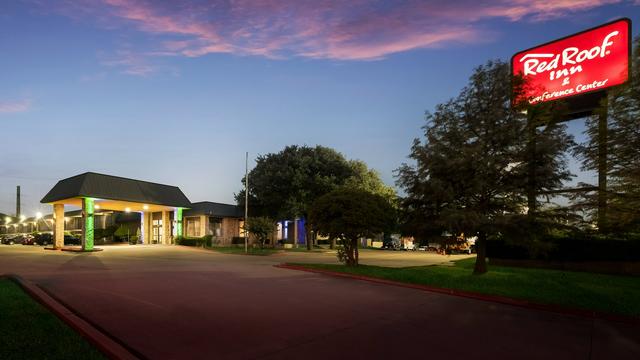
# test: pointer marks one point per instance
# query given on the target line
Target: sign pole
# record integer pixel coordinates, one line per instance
(246, 201)
(602, 164)
(531, 144)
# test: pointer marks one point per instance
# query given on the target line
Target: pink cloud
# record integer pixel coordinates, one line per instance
(329, 29)
(15, 106)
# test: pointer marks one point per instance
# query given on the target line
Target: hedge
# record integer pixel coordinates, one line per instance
(195, 241)
(569, 249)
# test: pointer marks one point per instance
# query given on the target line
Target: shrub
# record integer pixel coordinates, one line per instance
(237, 240)
(193, 241)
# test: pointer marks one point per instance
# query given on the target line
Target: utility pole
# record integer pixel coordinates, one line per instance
(246, 201)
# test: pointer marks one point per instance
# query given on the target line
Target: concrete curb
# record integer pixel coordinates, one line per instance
(477, 296)
(105, 344)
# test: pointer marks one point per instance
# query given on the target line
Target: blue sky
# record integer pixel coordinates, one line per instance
(176, 91)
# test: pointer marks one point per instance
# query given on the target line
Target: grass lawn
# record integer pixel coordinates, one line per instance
(258, 251)
(605, 293)
(29, 331)
(240, 250)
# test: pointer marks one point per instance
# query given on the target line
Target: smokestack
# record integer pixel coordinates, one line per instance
(18, 202)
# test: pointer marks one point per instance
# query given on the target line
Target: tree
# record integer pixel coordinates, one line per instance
(283, 185)
(471, 173)
(261, 227)
(351, 214)
(623, 162)
(369, 180)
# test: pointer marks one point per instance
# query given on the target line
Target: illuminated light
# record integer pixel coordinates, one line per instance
(592, 60)
(66, 219)
(88, 208)
(38, 215)
(22, 218)
(127, 209)
(178, 218)
(7, 220)
(145, 207)
(96, 206)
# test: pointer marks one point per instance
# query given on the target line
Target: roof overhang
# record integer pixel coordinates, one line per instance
(117, 205)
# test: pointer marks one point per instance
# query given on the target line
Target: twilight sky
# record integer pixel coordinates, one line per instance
(176, 91)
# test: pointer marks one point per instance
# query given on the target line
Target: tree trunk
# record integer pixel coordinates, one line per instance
(481, 254)
(332, 243)
(307, 236)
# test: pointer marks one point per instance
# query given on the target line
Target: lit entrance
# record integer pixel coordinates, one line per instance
(158, 205)
(156, 223)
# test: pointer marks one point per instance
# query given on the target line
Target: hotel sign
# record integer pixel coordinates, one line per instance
(591, 60)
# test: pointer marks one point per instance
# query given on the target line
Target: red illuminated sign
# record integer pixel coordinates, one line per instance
(589, 61)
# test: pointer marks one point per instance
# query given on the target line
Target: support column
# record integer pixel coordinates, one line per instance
(146, 224)
(87, 224)
(143, 228)
(166, 228)
(203, 225)
(58, 226)
(178, 218)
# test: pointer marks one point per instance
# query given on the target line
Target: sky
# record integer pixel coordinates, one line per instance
(176, 92)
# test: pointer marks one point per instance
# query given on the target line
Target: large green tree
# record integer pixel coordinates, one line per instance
(471, 172)
(283, 185)
(349, 215)
(623, 159)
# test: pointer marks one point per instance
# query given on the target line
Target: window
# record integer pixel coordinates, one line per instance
(215, 226)
(193, 226)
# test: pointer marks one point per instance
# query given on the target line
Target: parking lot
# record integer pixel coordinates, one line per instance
(174, 302)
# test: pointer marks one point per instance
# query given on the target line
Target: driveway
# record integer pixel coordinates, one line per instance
(180, 303)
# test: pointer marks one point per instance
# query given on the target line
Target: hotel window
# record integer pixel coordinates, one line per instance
(193, 226)
(215, 226)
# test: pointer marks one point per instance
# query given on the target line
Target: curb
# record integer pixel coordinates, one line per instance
(477, 296)
(102, 342)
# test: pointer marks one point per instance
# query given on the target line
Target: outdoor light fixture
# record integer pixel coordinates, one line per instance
(22, 218)
(38, 215)
(7, 220)
(146, 207)
(66, 219)
(127, 209)
(96, 206)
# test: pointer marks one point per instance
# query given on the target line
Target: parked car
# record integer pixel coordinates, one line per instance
(9, 239)
(29, 240)
(39, 239)
(71, 240)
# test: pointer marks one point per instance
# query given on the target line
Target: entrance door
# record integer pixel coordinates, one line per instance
(156, 228)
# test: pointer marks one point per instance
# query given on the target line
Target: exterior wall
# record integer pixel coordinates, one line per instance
(230, 229)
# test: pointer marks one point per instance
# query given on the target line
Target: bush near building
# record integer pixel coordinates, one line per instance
(204, 241)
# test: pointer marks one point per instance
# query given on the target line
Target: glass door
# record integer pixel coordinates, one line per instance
(156, 227)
